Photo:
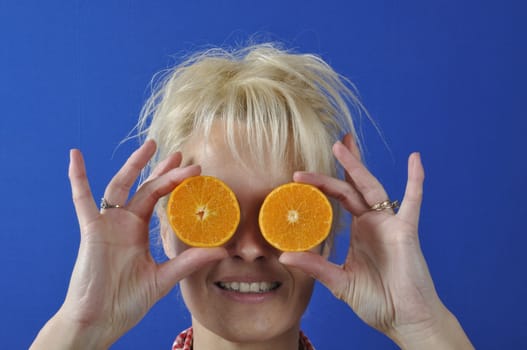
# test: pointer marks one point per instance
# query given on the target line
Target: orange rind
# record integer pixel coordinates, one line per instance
(203, 211)
(295, 217)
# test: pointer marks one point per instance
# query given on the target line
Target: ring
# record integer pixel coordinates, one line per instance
(106, 205)
(387, 204)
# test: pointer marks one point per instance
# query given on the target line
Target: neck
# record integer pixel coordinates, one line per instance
(204, 339)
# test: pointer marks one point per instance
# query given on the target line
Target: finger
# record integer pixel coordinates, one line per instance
(118, 189)
(192, 259)
(171, 162)
(350, 144)
(413, 196)
(342, 191)
(363, 181)
(143, 202)
(328, 273)
(85, 206)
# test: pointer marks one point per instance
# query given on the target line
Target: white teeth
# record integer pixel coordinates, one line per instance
(246, 287)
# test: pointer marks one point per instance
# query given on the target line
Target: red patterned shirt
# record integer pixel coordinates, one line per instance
(184, 341)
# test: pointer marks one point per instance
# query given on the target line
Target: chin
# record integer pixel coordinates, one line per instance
(253, 329)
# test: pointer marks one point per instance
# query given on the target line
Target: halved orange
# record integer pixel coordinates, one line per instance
(203, 211)
(295, 217)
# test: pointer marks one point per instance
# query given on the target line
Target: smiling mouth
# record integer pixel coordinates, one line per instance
(249, 287)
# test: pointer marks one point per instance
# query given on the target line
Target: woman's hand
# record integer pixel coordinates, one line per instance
(115, 280)
(384, 278)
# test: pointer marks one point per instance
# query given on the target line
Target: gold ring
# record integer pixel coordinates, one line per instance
(106, 205)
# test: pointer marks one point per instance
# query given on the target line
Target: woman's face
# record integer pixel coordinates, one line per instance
(248, 296)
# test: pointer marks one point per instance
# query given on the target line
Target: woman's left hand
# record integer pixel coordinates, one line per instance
(384, 278)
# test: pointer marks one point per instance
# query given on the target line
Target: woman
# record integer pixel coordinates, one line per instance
(255, 118)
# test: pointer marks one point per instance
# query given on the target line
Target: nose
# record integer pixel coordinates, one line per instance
(248, 244)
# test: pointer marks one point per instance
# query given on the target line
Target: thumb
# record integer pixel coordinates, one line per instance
(328, 273)
(192, 259)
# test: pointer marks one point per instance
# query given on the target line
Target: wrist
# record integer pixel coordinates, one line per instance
(441, 332)
(62, 333)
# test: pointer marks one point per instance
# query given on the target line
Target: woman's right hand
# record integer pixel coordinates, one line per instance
(115, 280)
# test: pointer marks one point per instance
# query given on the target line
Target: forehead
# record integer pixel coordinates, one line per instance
(233, 162)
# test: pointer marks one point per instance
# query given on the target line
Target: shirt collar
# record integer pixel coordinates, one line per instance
(184, 341)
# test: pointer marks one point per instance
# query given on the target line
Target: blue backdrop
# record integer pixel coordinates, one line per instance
(446, 78)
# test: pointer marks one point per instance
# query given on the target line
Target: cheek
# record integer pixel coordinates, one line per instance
(196, 294)
(324, 249)
(190, 294)
(303, 287)
(305, 282)
(172, 245)
(318, 249)
(189, 287)
(179, 246)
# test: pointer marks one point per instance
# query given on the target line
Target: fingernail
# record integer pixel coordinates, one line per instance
(283, 258)
(302, 175)
(337, 144)
(417, 157)
(72, 151)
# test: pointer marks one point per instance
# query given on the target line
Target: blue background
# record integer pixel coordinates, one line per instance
(446, 78)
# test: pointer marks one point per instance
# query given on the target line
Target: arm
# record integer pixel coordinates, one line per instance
(385, 278)
(115, 280)
(60, 333)
(445, 333)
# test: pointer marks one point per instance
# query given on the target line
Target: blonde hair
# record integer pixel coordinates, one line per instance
(293, 106)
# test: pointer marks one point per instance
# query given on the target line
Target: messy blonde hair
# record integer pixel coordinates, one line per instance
(292, 107)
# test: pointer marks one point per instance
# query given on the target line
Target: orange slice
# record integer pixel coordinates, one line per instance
(295, 217)
(203, 211)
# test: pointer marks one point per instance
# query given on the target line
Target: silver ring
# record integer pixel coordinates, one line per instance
(106, 205)
(387, 204)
